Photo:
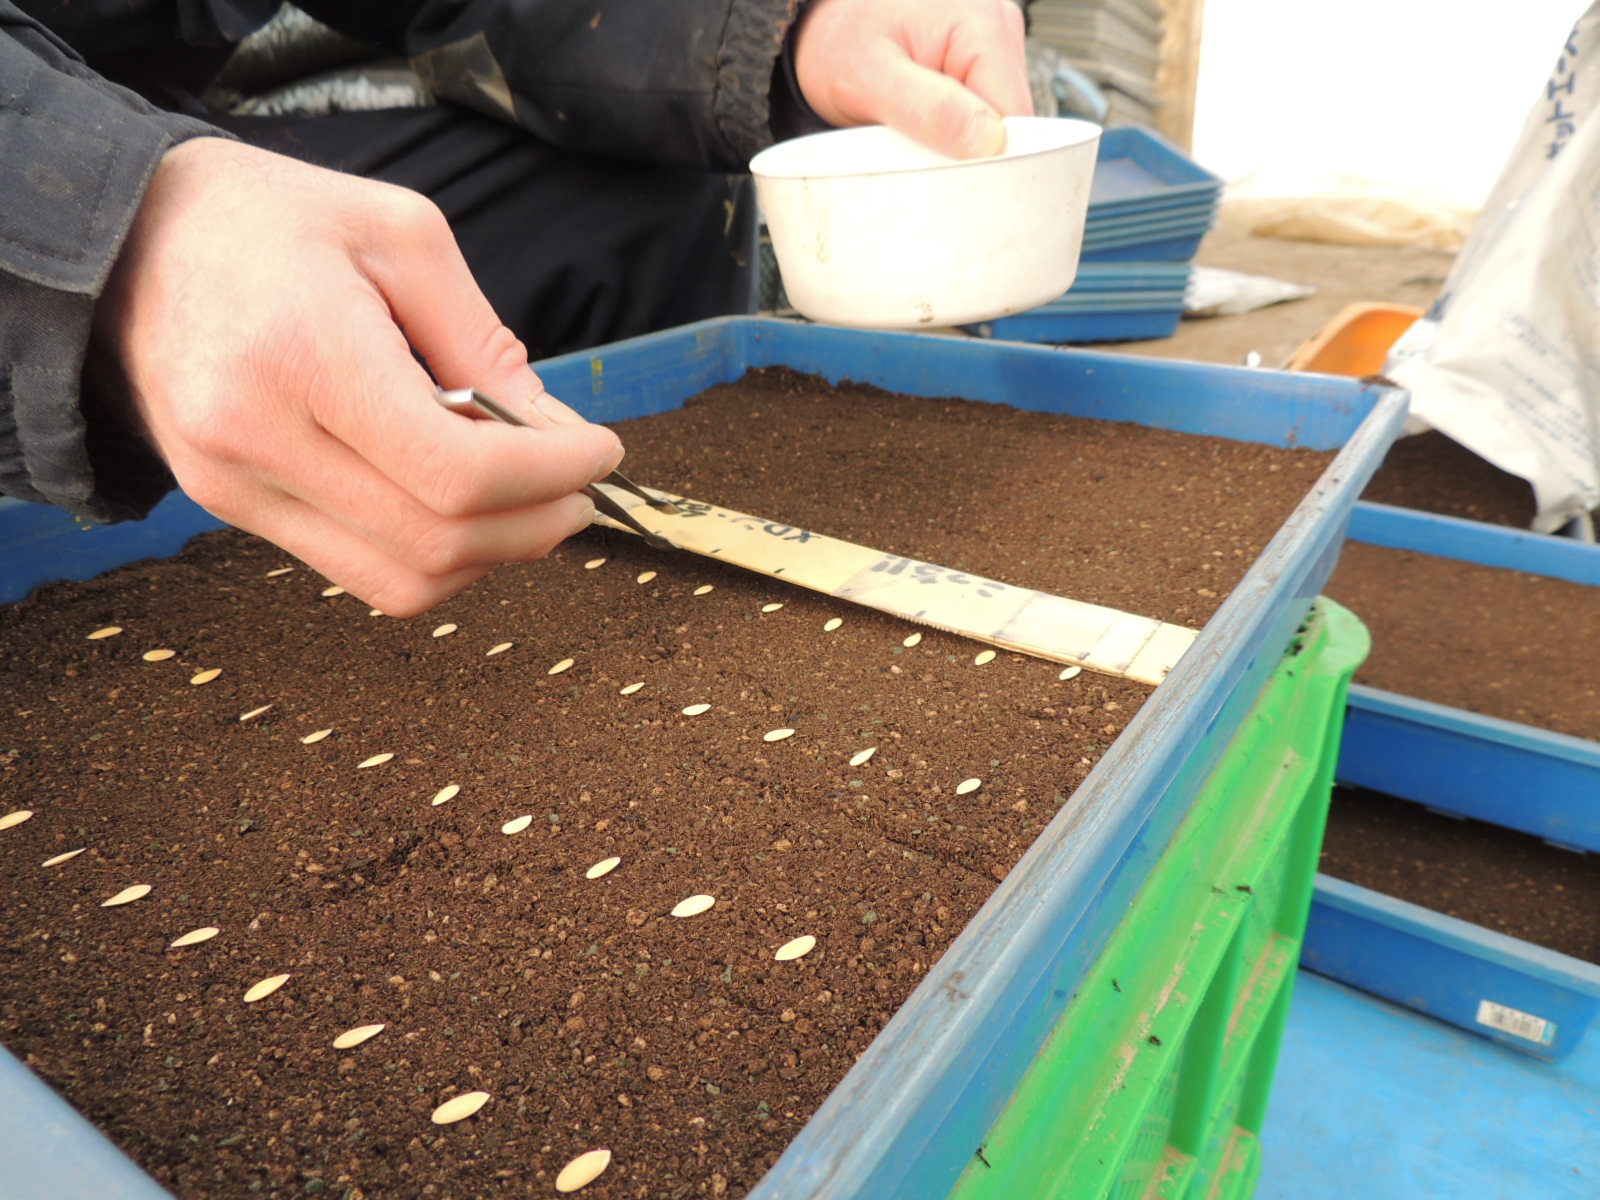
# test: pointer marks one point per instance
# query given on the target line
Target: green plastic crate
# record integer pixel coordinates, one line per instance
(1155, 1081)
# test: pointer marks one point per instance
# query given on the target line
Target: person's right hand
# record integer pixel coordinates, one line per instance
(264, 314)
(944, 72)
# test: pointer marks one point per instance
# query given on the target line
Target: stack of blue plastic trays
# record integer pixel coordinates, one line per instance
(1150, 207)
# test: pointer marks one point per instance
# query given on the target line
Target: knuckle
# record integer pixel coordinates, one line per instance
(204, 427)
(438, 548)
(403, 598)
(502, 350)
(408, 594)
(450, 486)
(211, 493)
(415, 212)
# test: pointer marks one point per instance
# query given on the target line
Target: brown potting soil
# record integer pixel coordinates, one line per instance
(588, 1014)
(1494, 877)
(1496, 642)
(1502, 643)
(1431, 473)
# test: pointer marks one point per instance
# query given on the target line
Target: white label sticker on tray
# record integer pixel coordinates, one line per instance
(1515, 1022)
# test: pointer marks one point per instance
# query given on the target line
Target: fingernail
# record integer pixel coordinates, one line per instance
(612, 458)
(986, 134)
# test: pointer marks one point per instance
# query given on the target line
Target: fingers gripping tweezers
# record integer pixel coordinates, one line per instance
(465, 398)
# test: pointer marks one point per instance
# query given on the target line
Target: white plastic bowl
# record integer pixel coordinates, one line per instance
(873, 230)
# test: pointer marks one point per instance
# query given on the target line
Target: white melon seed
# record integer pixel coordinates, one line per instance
(630, 689)
(604, 867)
(15, 818)
(862, 756)
(833, 624)
(773, 607)
(158, 655)
(206, 676)
(968, 785)
(645, 576)
(517, 824)
(332, 590)
(790, 950)
(693, 906)
(446, 794)
(704, 588)
(777, 735)
(377, 760)
(127, 895)
(351, 1038)
(194, 937)
(583, 1170)
(254, 713)
(459, 1108)
(276, 571)
(445, 630)
(914, 640)
(984, 657)
(694, 710)
(108, 631)
(593, 563)
(564, 665)
(501, 648)
(311, 739)
(1070, 673)
(57, 860)
(265, 988)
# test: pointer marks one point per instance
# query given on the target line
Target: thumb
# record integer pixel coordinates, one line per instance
(938, 111)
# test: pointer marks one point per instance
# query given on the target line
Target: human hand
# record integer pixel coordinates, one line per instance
(942, 71)
(264, 314)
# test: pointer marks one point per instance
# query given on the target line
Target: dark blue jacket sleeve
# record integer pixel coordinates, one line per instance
(78, 153)
(680, 81)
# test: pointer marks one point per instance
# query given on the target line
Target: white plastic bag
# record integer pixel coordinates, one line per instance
(1508, 361)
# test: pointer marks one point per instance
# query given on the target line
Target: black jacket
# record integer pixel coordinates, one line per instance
(682, 81)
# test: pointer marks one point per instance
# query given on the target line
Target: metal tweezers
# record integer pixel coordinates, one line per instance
(462, 398)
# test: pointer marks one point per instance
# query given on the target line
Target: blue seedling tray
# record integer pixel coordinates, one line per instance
(1188, 214)
(1510, 991)
(906, 1118)
(1509, 774)
(1139, 171)
(1458, 762)
(1133, 301)
(1178, 248)
(1133, 276)
(1065, 326)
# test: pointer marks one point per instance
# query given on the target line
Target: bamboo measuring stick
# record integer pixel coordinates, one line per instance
(1049, 627)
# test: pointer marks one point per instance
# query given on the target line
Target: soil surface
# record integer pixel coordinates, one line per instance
(1431, 473)
(1497, 642)
(1500, 643)
(589, 1015)
(1506, 881)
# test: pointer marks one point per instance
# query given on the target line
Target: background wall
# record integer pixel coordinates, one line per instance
(1426, 94)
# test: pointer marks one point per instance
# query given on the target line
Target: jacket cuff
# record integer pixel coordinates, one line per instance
(791, 113)
(80, 154)
(756, 93)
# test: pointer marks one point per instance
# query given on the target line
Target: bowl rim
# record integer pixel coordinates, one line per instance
(1079, 132)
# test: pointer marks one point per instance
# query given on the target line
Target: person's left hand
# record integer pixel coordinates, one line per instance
(942, 71)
